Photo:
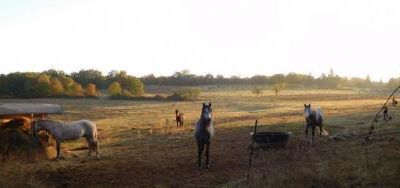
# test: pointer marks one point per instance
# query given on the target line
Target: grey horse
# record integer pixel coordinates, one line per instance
(314, 118)
(204, 131)
(70, 131)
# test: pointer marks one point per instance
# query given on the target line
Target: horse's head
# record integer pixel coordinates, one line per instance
(206, 113)
(35, 128)
(38, 125)
(308, 112)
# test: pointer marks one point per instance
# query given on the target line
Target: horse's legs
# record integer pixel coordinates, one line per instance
(200, 148)
(313, 133)
(208, 155)
(90, 145)
(97, 148)
(307, 133)
(11, 144)
(320, 130)
(58, 146)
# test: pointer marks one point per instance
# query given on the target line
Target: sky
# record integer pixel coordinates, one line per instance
(355, 38)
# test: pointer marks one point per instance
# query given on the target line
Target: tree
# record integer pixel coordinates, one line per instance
(130, 83)
(277, 78)
(126, 93)
(77, 90)
(54, 73)
(257, 90)
(3, 85)
(278, 88)
(42, 86)
(85, 77)
(393, 83)
(43, 78)
(67, 82)
(57, 89)
(115, 89)
(136, 87)
(91, 90)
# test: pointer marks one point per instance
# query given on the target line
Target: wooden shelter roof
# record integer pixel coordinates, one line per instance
(7, 109)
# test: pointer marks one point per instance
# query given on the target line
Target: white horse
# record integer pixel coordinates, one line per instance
(314, 118)
(203, 133)
(70, 131)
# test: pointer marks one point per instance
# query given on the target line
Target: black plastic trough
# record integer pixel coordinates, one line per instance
(268, 140)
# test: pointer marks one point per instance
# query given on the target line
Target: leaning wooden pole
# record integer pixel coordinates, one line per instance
(368, 138)
(251, 152)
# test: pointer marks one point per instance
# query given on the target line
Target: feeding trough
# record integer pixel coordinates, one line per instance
(16, 128)
(265, 141)
(268, 140)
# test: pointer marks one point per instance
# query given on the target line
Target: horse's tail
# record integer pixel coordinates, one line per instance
(95, 134)
(320, 119)
(325, 132)
(93, 127)
(319, 111)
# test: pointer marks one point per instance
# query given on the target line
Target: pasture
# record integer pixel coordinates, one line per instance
(141, 146)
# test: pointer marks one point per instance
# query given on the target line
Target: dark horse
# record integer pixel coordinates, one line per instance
(179, 118)
(314, 118)
(204, 131)
(9, 132)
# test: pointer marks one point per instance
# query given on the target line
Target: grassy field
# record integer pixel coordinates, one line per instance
(141, 147)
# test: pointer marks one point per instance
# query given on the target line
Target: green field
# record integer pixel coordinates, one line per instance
(140, 145)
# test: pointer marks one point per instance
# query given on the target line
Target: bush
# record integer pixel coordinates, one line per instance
(91, 90)
(115, 89)
(76, 91)
(139, 98)
(57, 88)
(185, 94)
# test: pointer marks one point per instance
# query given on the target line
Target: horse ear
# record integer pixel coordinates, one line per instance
(209, 104)
(305, 106)
(309, 105)
(204, 104)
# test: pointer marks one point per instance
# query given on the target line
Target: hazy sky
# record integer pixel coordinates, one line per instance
(229, 37)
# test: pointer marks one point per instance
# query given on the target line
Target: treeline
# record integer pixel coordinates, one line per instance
(291, 80)
(52, 83)
(87, 83)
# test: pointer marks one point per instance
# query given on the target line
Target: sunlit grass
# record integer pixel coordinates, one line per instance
(145, 131)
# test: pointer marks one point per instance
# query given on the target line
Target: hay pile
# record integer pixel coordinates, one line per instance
(17, 144)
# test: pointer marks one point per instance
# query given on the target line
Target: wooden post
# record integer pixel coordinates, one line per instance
(32, 125)
(251, 152)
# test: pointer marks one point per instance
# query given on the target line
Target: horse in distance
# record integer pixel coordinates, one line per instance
(314, 118)
(179, 116)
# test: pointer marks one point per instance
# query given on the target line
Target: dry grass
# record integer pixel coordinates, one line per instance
(141, 146)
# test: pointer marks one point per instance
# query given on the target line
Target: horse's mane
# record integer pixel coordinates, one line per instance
(47, 122)
(60, 123)
(315, 115)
